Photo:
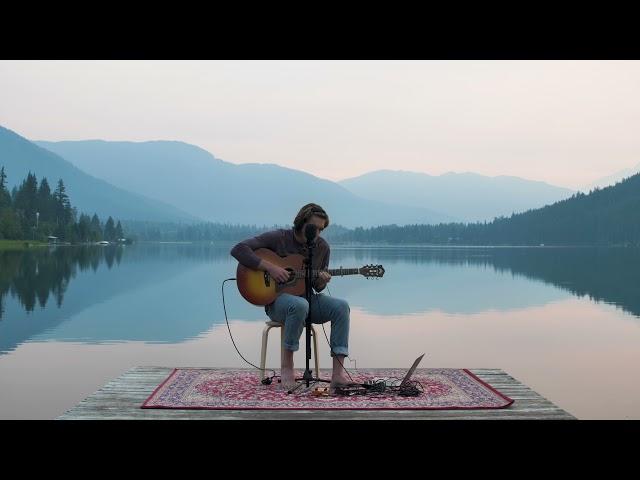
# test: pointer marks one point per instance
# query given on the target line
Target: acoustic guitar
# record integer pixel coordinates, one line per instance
(258, 288)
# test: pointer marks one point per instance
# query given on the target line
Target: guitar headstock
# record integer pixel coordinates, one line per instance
(375, 271)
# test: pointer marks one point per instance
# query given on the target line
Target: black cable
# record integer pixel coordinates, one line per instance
(325, 332)
(265, 381)
(412, 388)
(380, 388)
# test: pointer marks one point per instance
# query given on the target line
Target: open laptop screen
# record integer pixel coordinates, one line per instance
(411, 370)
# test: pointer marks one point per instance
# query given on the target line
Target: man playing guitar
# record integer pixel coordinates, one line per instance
(292, 309)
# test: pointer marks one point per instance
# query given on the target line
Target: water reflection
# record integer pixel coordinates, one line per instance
(37, 275)
(609, 275)
(170, 293)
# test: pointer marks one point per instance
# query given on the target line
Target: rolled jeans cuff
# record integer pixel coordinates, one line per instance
(339, 351)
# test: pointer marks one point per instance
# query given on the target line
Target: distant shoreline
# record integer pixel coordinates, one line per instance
(20, 244)
(23, 245)
(338, 245)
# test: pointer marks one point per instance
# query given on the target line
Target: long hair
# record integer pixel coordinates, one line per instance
(308, 211)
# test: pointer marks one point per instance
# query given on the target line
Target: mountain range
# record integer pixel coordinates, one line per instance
(172, 181)
(207, 187)
(469, 197)
(612, 179)
(87, 193)
(195, 181)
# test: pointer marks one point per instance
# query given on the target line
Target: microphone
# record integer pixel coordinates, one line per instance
(310, 233)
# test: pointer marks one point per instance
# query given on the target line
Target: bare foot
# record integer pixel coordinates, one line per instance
(287, 375)
(340, 379)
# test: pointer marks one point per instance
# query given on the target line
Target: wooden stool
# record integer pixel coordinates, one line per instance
(265, 337)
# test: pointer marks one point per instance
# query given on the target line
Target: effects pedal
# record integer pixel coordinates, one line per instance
(350, 390)
(320, 392)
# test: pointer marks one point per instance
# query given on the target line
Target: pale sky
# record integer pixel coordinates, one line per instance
(567, 123)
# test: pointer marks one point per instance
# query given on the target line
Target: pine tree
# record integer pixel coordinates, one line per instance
(62, 205)
(109, 230)
(5, 197)
(10, 225)
(44, 202)
(26, 197)
(84, 228)
(96, 228)
(119, 232)
(24, 204)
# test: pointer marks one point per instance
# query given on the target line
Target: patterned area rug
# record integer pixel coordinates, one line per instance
(223, 389)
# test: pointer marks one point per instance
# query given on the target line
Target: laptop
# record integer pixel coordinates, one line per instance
(394, 382)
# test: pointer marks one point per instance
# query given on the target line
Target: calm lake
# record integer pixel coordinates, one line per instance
(564, 321)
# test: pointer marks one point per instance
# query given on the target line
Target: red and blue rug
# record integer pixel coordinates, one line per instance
(224, 389)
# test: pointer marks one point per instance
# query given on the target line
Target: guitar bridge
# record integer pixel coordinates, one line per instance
(267, 279)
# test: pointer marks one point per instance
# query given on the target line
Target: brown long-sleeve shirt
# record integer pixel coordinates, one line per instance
(282, 242)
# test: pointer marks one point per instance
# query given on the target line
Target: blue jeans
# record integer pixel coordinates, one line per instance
(292, 311)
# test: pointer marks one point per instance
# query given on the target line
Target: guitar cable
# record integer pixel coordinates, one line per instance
(412, 389)
(269, 380)
(265, 381)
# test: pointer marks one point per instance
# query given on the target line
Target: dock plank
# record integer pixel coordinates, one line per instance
(120, 399)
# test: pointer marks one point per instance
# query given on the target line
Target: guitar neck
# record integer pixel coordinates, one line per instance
(332, 271)
(343, 271)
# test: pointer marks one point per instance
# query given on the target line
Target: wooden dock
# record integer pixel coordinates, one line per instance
(121, 398)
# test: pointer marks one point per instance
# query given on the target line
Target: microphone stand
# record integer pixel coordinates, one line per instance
(308, 377)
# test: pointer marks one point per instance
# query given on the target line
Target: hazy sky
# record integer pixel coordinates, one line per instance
(564, 122)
